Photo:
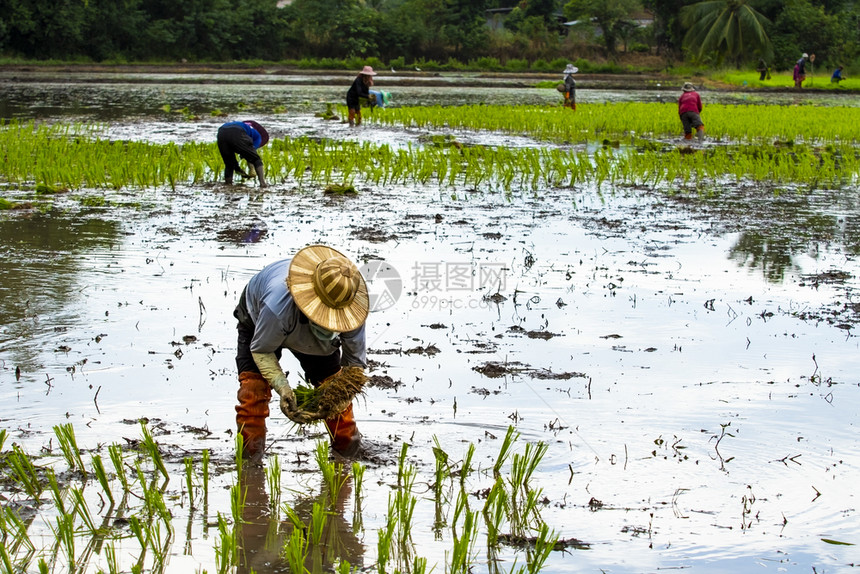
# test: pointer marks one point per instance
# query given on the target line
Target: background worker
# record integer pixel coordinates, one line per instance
(360, 88)
(689, 108)
(244, 139)
(800, 71)
(570, 86)
(837, 75)
(315, 305)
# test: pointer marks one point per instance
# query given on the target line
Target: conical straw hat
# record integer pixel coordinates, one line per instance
(328, 288)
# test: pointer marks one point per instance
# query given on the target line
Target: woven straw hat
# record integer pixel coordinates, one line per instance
(264, 135)
(328, 288)
(688, 87)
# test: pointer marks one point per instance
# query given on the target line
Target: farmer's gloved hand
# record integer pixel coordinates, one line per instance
(271, 370)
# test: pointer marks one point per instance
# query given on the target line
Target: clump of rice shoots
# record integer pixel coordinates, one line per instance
(328, 399)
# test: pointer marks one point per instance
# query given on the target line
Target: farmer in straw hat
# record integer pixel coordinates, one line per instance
(570, 87)
(243, 138)
(689, 108)
(360, 89)
(315, 305)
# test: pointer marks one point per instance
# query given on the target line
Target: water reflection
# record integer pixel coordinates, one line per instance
(262, 535)
(40, 266)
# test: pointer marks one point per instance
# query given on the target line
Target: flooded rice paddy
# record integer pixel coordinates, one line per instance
(690, 363)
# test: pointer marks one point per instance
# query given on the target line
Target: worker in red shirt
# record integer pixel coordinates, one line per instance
(689, 108)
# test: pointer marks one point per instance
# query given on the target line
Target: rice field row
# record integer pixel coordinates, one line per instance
(52, 158)
(594, 122)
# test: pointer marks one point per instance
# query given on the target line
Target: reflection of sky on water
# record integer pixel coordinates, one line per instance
(666, 335)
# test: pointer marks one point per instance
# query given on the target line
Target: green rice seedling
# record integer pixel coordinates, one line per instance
(385, 536)
(155, 502)
(151, 448)
(273, 480)
(510, 438)
(442, 470)
(141, 479)
(226, 548)
(296, 551)
(294, 518)
(496, 509)
(318, 521)
(54, 487)
(357, 480)
(404, 504)
(111, 558)
(6, 560)
(419, 565)
(12, 524)
(526, 513)
(189, 476)
(544, 544)
(65, 536)
(333, 473)
(116, 458)
(69, 445)
(136, 527)
(523, 466)
(25, 472)
(83, 510)
(343, 567)
(466, 466)
(462, 554)
(101, 475)
(401, 464)
(2, 438)
(237, 502)
(205, 455)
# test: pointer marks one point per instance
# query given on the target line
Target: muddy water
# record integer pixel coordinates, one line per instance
(692, 365)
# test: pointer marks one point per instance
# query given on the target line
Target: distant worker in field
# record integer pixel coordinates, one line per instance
(763, 70)
(244, 139)
(315, 305)
(837, 75)
(360, 89)
(570, 87)
(689, 108)
(800, 71)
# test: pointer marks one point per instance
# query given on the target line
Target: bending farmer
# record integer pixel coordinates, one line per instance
(243, 138)
(689, 108)
(360, 88)
(314, 305)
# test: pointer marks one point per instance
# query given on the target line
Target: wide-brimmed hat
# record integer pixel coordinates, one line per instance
(805, 55)
(570, 69)
(688, 87)
(264, 135)
(367, 71)
(328, 288)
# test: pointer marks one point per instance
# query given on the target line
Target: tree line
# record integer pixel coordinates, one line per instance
(713, 32)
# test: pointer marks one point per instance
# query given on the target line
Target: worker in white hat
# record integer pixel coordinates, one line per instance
(315, 305)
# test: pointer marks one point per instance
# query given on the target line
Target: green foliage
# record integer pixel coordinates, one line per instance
(728, 28)
(613, 17)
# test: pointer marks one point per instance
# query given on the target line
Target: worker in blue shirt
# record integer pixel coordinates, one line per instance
(242, 138)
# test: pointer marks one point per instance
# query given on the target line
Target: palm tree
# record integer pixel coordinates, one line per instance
(730, 28)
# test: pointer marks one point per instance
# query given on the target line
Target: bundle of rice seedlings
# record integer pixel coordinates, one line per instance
(330, 398)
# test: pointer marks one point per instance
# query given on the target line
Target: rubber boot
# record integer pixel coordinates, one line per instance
(351, 118)
(251, 412)
(345, 438)
(688, 136)
(700, 133)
